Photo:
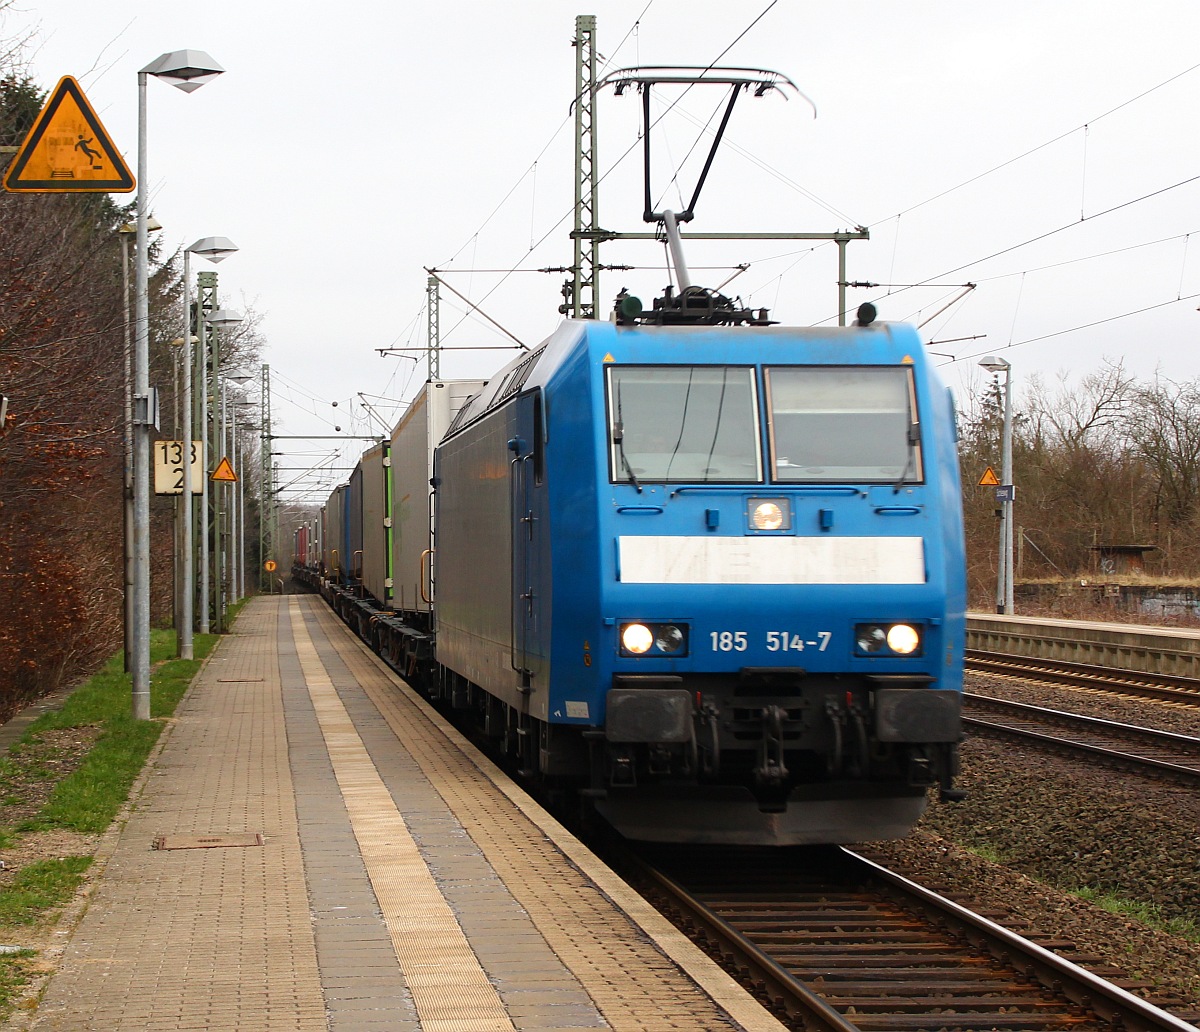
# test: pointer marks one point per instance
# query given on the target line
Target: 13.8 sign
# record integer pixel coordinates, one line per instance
(168, 467)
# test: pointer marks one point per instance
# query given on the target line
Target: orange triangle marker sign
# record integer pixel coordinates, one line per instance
(224, 471)
(989, 478)
(67, 150)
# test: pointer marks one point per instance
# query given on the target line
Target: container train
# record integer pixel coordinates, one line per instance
(704, 570)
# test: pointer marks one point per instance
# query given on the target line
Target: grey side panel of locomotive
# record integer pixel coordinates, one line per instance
(413, 441)
(375, 539)
(473, 568)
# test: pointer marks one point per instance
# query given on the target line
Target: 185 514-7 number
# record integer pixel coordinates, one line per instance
(777, 641)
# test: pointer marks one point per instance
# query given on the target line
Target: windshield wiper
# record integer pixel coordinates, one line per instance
(712, 448)
(618, 436)
(914, 437)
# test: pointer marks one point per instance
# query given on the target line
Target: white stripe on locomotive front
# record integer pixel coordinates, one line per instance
(770, 560)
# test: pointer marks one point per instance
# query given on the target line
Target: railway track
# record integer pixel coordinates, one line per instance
(833, 941)
(1141, 749)
(1126, 682)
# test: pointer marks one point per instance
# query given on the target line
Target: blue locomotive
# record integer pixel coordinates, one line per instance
(704, 569)
(709, 574)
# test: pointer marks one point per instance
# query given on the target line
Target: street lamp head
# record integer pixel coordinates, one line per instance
(224, 319)
(993, 364)
(187, 70)
(214, 248)
(131, 227)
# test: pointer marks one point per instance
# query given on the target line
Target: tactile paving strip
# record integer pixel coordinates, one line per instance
(629, 975)
(538, 991)
(360, 975)
(449, 988)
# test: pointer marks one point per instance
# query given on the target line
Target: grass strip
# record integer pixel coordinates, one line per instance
(17, 970)
(39, 887)
(1146, 913)
(87, 799)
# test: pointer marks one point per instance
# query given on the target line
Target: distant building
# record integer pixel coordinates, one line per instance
(1122, 558)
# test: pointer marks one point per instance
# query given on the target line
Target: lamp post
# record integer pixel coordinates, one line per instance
(188, 70)
(238, 522)
(215, 249)
(1006, 492)
(126, 231)
(222, 319)
(180, 354)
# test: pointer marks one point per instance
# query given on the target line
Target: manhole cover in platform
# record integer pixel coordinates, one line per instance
(207, 841)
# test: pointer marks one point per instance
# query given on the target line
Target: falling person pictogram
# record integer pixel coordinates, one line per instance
(93, 156)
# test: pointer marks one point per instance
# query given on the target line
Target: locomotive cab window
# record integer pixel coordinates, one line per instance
(683, 424)
(844, 424)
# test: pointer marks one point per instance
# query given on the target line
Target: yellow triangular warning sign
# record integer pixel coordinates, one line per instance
(224, 471)
(67, 150)
(989, 478)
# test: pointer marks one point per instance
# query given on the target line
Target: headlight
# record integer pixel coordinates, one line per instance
(903, 638)
(884, 639)
(668, 639)
(769, 514)
(636, 638)
(869, 638)
(654, 639)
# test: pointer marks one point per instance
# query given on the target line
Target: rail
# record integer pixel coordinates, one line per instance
(1171, 687)
(1160, 752)
(856, 947)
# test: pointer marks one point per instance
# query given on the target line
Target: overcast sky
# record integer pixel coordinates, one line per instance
(1043, 150)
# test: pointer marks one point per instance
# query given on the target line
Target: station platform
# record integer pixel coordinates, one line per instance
(313, 848)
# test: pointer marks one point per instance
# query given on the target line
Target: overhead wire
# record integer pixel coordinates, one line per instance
(531, 171)
(620, 160)
(283, 387)
(1041, 146)
(1019, 157)
(1070, 225)
(1073, 329)
(771, 170)
(548, 144)
(1075, 261)
(534, 243)
(1083, 218)
(1044, 236)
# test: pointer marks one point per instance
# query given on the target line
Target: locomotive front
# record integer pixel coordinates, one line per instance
(781, 602)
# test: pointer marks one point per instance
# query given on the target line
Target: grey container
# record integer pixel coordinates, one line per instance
(376, 539)
(413, 441)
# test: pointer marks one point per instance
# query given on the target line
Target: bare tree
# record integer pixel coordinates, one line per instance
(1163, 424)
(61, 454)
(1078, 477)
(1080, 480)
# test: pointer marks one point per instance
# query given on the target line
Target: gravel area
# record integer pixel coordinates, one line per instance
(1056, 825)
